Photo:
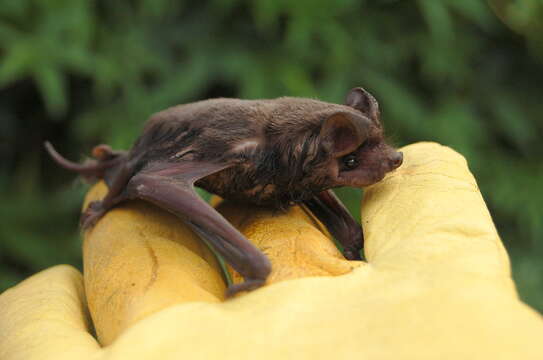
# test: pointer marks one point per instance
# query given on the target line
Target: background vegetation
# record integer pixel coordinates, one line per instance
(465, 73)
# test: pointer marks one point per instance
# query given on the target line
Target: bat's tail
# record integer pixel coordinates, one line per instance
(90, 169)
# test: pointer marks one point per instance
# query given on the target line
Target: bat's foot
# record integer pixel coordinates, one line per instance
(247, 285)
(92, 214)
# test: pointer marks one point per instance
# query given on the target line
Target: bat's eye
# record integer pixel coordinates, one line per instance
(350, 161)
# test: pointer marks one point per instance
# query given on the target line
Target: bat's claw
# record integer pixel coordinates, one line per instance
(352, 254)
(354, 248)
(92, 214)
(247, 285)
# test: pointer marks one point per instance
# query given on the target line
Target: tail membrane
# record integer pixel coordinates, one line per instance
(89, 169)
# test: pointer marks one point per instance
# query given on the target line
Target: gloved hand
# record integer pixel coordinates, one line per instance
(437, 284)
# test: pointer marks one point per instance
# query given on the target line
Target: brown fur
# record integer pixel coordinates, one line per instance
(271, 142)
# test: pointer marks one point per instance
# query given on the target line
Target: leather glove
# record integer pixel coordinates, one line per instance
(436, 284)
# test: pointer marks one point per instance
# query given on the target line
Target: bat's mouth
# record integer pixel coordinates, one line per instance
(367, 176)
(361, 180)
(378, 178)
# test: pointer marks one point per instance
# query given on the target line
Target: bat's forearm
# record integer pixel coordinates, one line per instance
(333, 214)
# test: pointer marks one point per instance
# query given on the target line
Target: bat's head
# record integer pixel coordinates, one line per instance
(358, 153)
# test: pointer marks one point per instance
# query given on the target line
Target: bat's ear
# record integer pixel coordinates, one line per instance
(344, 131)
(364, 102)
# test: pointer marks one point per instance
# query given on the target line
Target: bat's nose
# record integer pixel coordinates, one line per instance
(395, 160)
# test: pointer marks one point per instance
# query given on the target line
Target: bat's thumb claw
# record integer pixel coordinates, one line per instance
(352, 255)
(247, 285)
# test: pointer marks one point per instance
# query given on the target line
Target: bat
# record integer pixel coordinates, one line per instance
(274, 153)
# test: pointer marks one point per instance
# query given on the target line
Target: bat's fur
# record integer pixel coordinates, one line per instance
(268, 152)
(276, 145)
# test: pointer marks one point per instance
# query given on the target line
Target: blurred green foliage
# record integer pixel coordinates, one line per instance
(465, 73)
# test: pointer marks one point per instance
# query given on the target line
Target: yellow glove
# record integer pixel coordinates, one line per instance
(437, 284)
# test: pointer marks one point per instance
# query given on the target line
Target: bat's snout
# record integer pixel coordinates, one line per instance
(395, 160)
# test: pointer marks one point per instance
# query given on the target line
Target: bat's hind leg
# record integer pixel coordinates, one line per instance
(116, 180)
(96, 209)
(110, 165)
(331, 212)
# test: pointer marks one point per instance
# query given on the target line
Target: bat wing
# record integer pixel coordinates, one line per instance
(171, 187)
(333, 214)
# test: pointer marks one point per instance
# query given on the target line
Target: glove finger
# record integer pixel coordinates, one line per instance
(46, 317)
(296, 243)
(138, 260)
(429, 214)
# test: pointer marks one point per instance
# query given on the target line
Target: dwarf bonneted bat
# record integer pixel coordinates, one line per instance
(267, 152)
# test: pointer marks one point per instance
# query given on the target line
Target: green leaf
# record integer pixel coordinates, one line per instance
(438, 19)
(475, 11)
(50, 82)
(16, 64)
